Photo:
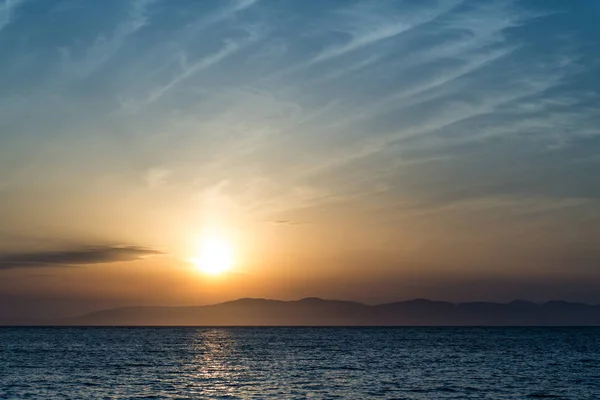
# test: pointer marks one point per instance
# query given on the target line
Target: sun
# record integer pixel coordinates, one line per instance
(215, 256)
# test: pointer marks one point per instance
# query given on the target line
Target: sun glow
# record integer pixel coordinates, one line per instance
(215, 256)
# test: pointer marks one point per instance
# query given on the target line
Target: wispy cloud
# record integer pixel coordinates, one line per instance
(441, 89)
(375, 27)
(230, 47)
(7, 11)
(502, 206)
(227, 12)
(366, 26)
(156, 177)
(289, 222)
(106, 47)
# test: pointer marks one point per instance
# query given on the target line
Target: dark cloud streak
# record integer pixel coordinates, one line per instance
(75, 256)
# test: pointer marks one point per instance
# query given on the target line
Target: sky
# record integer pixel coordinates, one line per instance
(371, 151)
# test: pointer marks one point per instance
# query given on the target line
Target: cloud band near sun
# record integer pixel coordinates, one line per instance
(75, 256)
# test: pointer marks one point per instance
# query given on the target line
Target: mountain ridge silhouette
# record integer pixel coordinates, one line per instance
(313, 311)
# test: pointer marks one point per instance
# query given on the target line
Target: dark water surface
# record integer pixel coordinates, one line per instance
(290, 363)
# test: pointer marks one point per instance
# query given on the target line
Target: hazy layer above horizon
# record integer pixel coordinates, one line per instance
(372, 151)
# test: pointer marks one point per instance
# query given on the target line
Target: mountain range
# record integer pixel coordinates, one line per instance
(319, 312)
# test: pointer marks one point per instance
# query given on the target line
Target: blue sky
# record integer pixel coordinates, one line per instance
(446, 125)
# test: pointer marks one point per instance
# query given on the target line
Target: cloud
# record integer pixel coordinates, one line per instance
(473, 43)
(371, 28)
(227, 12)
(228, 48)
(464, 88)
(289, 222)
(104, 48)
(156, 177)
(75, 256)
(7, 8)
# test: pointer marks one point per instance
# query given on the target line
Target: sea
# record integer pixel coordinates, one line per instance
(299, 363)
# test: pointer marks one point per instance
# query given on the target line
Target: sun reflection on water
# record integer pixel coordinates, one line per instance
(217, 361)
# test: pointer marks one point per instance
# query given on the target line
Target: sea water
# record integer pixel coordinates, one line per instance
(300, 363)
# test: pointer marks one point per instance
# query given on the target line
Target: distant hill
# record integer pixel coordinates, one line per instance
(319, 312)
